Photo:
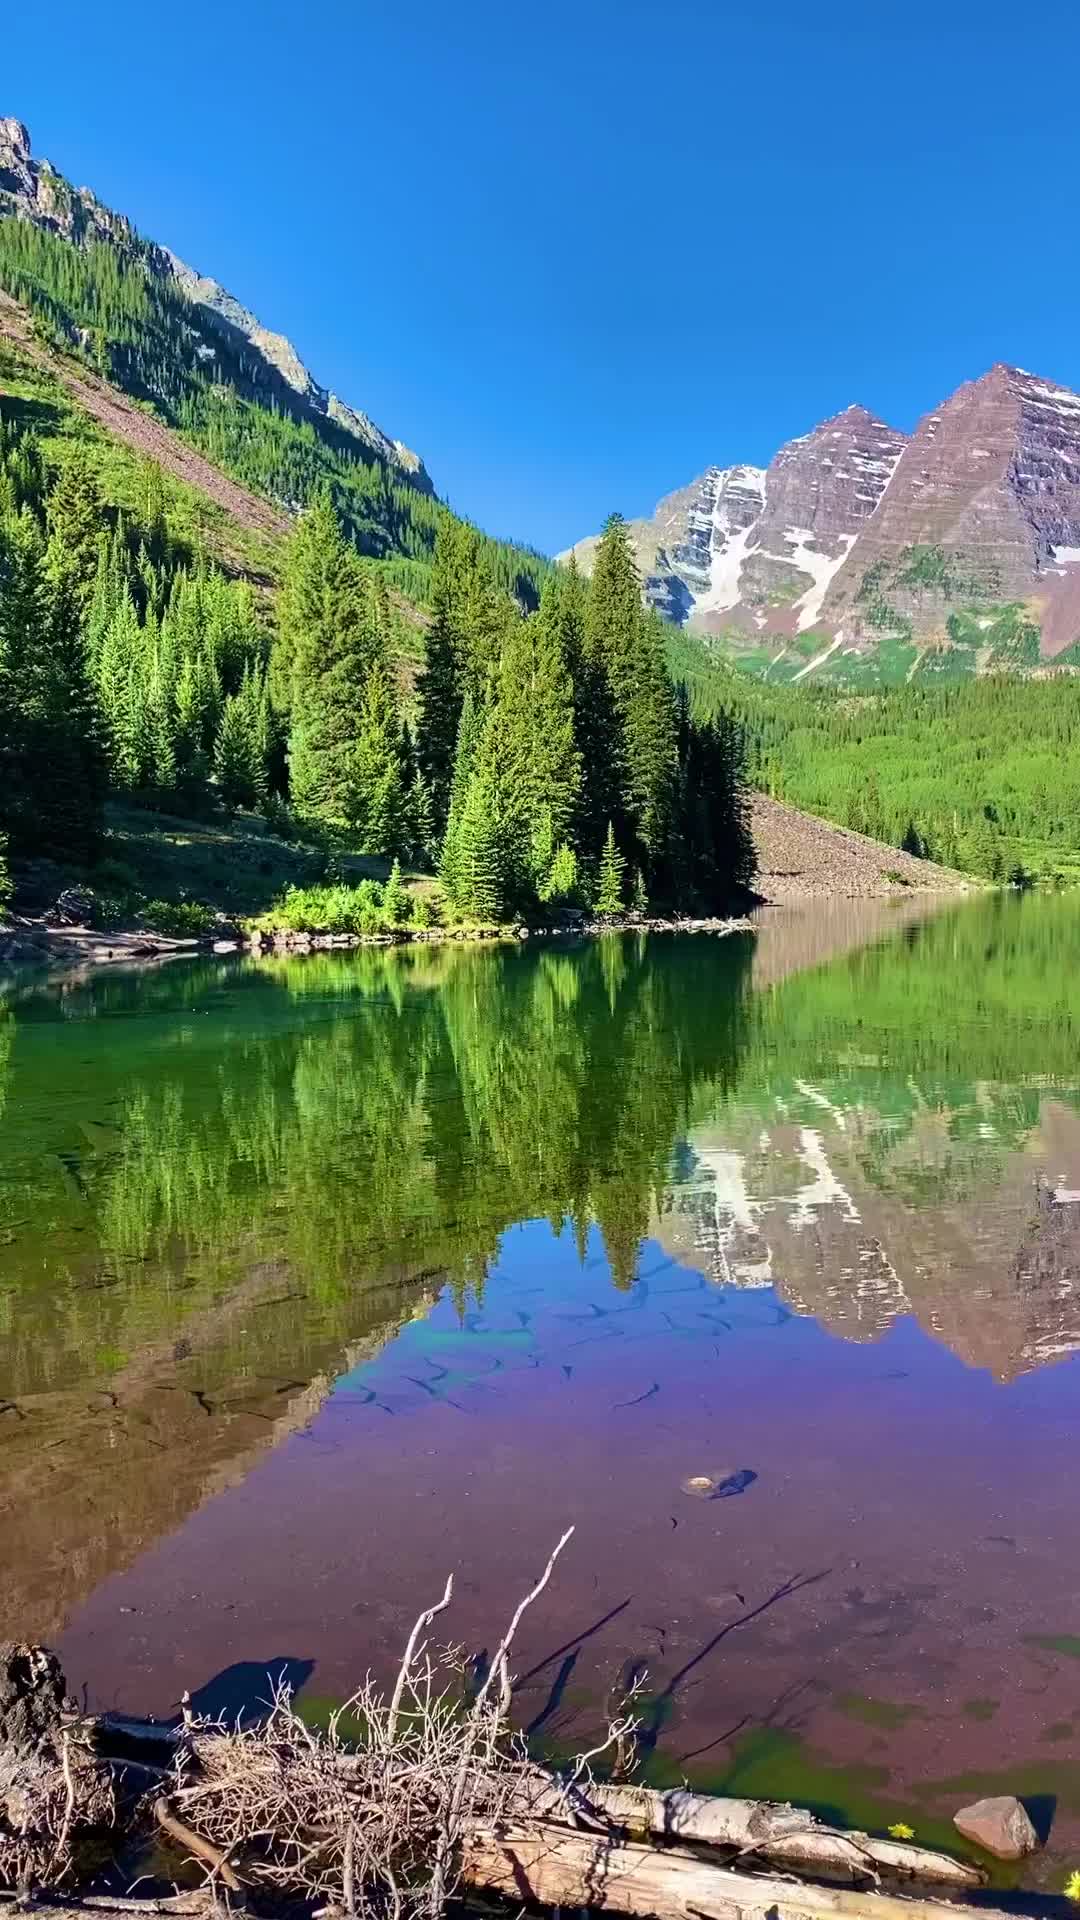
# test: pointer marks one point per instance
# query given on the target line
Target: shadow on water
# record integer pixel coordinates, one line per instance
(657, 1709)
(243, 1694)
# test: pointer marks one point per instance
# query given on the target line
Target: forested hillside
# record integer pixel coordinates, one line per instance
(546, 759)
(101, 303)
(983, 775)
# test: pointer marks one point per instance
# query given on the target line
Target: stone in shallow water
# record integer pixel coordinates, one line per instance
(1000, 1825)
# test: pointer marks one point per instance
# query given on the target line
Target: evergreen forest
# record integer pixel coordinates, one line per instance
(980, 774)
(544, 757)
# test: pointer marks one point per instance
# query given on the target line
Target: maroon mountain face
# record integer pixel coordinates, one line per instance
(819, 491)
(987, 500)
(962, 539)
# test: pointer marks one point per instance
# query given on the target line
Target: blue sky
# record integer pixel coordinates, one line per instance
(575, 252)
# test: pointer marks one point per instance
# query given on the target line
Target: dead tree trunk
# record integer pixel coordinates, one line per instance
(552, 1867)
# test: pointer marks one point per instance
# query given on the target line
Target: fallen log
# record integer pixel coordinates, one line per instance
(549, 1866)
(780, 1834)
(180, 1906)
(775, 1833)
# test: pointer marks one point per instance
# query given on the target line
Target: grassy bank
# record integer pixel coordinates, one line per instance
(181, 877)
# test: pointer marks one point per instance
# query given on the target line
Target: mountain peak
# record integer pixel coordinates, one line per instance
(15, 139)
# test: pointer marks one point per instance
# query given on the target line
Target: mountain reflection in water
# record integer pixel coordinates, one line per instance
(321, 1276)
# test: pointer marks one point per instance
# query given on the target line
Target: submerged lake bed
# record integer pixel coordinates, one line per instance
(756, 1260)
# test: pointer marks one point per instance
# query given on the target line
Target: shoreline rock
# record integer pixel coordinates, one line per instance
(287, 941)
(1000, 1825)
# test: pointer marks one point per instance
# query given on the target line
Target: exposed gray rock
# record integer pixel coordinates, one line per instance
(73, 908)
(1000, 1825)
(32, 1696)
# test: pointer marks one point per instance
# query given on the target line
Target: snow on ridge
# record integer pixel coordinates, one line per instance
(729, 549)
(1066, 399)
(1062, 557)
(725, 571)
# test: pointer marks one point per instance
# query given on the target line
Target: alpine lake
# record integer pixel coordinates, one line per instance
(755, 1259)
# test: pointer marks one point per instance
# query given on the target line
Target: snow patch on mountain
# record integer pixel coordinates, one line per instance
(820, 567)
(725, 572)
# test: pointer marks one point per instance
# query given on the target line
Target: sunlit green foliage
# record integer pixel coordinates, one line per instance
(985, 772)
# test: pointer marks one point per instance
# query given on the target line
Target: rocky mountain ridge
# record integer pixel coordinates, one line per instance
(862, 553)
(34, 190)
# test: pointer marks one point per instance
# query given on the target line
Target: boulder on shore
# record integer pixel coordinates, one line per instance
(1000, 1825)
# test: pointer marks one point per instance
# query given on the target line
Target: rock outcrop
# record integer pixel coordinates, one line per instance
(1000, 1825)
(33, 190)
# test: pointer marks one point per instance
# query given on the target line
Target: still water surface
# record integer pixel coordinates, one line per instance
(320, 1277)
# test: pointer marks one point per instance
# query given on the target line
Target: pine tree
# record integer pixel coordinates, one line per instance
(469, 729)
(553, 777)
(439, 692)
(609, 895)
(74, 514)
(377, 802)
(68, 763)
(191, 730)
(562, 887)
(51, 775)
(461, 651)
(396, 900)
(650, 737)
(238, 767)
(481, 853)
(421, 819)
(610, 627)
(326, 640)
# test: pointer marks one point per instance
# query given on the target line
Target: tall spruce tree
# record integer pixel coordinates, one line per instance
(377, 804)
(75, 520)
(326, 637)
(470, 725)
(611, 624)
(634, 710)
(441, 686)
(51, 774)
(553, 774)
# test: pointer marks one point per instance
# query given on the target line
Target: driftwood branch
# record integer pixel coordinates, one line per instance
(211, 1856)
(551, 1866)
(780, 1835)
(450, 1828)
(175, 1907)
(407, 1658)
